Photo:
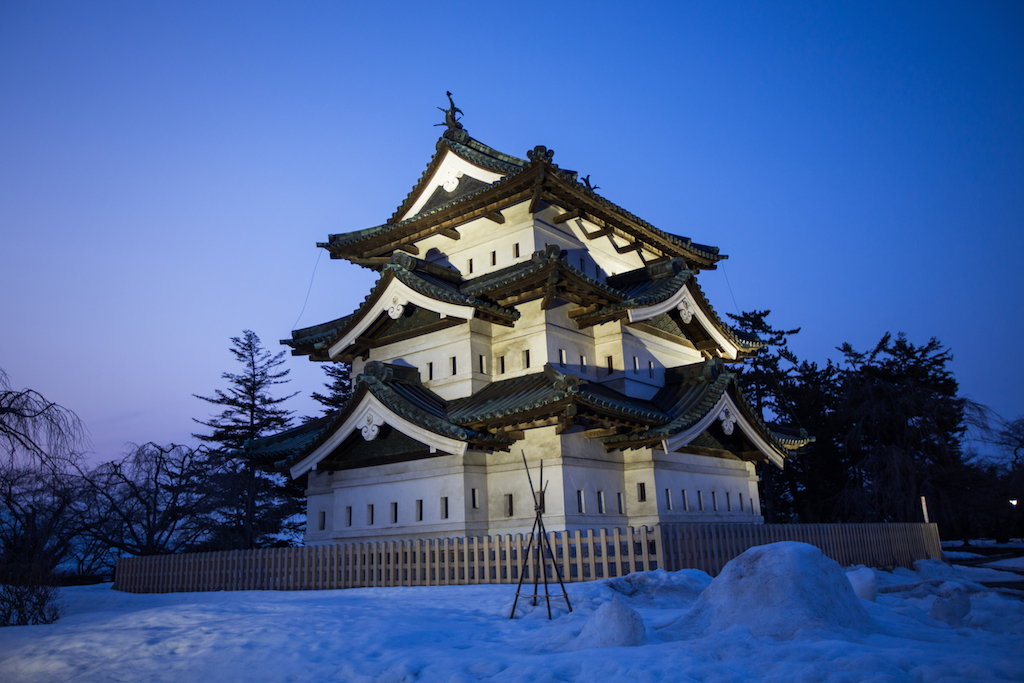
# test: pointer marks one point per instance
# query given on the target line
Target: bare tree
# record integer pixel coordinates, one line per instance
(155, 500)
(34, 426)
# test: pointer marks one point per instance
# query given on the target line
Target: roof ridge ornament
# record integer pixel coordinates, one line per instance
(452, 115)
(540, 153)
(586, 181)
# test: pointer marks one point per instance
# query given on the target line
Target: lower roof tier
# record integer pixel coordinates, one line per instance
(700, 409)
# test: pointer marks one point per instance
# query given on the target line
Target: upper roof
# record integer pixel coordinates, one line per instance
(515, 180)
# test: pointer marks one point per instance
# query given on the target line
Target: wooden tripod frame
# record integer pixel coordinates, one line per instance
(543, 544)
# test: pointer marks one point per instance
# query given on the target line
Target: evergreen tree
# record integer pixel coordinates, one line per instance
(903, 427)
(766, 378)
(258, 504)
(339, 387)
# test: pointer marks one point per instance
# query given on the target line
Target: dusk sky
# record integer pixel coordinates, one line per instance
(166, 170)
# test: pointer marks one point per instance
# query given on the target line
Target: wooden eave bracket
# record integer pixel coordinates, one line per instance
(569, 215)
(450, 233)
(495, 216)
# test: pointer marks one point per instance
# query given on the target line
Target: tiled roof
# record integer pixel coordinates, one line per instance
(531, 392)
(513, 170)
(416, 275)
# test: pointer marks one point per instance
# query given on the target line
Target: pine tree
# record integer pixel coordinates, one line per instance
(904, 425)
(258, 504)
(766, 378)
(339, 387)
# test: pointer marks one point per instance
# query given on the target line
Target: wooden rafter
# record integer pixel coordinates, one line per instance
(568, 215)
(450, 233)
(495, 216)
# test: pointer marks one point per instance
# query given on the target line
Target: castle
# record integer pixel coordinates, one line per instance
(519, 312)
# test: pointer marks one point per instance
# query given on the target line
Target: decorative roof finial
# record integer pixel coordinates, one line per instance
(592, 188)
(540, 153)
(451, 119)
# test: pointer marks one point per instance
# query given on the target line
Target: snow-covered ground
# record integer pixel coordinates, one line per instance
(777, 613)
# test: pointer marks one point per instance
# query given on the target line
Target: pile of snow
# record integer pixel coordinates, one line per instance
(777, 590)
(864, 583)
(614, 624)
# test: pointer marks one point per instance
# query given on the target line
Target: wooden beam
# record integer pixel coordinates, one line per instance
(598, 433)
(632, 246)
(450, 233)
(549, 293)
(706, 345)
(538, 188)
(495, 216)
(564, 426)
(582, 310)
(597, 233)
(569, 215)
(409, 248)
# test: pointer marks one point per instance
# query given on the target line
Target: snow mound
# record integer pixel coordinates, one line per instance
(864, 583)
(776, 590)
(658, 584)
(952, 609)
(613, 624)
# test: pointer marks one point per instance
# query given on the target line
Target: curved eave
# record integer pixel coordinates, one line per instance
(689, 300)
(594, 204)
(396, 288)
(374, 404)
(717, 400)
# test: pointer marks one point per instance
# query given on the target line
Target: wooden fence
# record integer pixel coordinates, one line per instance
(710, 546)
(580, 556)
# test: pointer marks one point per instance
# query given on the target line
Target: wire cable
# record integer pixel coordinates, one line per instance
(310, 289)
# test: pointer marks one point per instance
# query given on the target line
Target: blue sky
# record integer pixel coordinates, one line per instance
(167, 168)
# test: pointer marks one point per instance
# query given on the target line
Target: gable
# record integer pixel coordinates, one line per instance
(452, 178)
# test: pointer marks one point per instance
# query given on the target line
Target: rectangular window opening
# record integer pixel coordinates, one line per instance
(444, 507)
(600, 502)
(611, 364)
(700, 500)
(469, 266)
(583, 363)
(619, 496)
(579, 501)
(509, 509)
(741, 502)
(650, 368)
(686, 501)
(561, 357)
(419, 510)
(430, 371)
(501, 365)
(369, 515)
(494, 258)
(348, 516)
(455, 366)
(483, 370)
(641, 492)
(728, 502)
(636, 365)
(526, 358)
(714, 501)
(323, 520)
(515, 250)
(583, 265)
(668, 499)
(394, 513)
(475, 501)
